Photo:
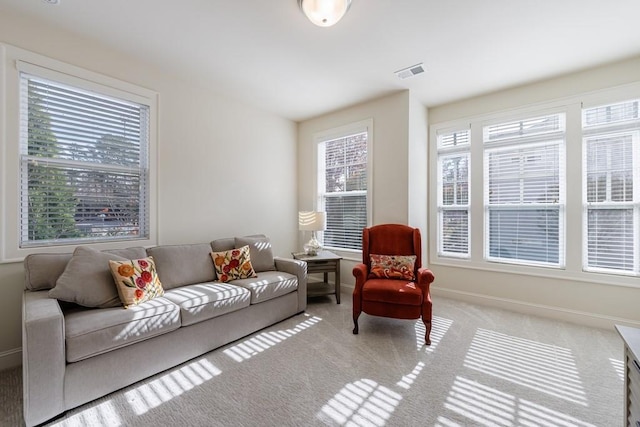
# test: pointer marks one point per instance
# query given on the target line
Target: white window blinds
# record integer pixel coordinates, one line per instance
(524, 191)
(610, 193)
(84, 165)
(453, 193)
(342, 177)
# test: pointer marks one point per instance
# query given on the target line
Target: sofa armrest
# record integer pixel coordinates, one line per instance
(43, 357)
(299, 269)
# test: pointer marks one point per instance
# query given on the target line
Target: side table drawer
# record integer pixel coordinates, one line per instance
(321, 266)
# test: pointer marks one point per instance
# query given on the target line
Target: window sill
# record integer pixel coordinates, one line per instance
(542, 272)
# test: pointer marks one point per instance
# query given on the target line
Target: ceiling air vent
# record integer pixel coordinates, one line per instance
(414, 70)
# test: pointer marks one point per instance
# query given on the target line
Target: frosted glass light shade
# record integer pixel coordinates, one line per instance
(324, 13)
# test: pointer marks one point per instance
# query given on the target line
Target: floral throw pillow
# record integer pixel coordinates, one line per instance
(233, 264)
(137, 280)
(392, 267)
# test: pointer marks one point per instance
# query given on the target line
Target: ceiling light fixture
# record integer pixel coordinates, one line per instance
(324, 13)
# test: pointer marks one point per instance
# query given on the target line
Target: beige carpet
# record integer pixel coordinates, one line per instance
(486, 367)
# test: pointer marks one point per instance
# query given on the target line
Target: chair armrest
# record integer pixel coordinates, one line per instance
(425, 275)
(360, 272)
(43, 357)
(424, 279)
(299, 269)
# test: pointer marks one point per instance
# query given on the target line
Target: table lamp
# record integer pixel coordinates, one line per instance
(312, 221)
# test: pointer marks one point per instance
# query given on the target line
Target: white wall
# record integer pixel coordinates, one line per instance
(586, 302)
(224, 168)
(391, 167)
(417, 187)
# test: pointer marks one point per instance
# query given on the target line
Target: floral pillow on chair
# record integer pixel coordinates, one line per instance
(392, 267)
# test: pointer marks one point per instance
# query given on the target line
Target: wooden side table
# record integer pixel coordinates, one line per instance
(325, 262)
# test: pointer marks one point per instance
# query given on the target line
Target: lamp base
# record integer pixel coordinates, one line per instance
(312, 247)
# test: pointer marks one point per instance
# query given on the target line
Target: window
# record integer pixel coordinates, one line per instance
(560, 189)
(453, 193)
(610, 187)
(84, 162)
(343, 187)
(524, 190)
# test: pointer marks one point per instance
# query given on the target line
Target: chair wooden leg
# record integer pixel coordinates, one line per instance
(427, 339)
(355, 323)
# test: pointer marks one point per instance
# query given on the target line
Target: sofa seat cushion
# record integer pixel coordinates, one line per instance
(207, 300)
(89, 332)
(268, 285)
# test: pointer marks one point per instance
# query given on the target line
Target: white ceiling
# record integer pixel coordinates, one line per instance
(266, 53)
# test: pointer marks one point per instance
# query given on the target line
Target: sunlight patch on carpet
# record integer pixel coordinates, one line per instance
(486, 406)
(445, 422)
(407, 381)
(439, 327)
(480, 404)
(265, 340)
(542, 367)
(531, 414)
(154, 393)
(103, 414)
(618, 366)
(361, 403)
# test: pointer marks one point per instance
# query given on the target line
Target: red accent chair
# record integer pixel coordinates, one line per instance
(399, 299)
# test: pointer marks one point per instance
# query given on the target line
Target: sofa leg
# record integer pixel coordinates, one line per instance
(427, 339)
(355, 323)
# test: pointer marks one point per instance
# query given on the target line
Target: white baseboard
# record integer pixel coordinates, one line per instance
(10, 358)
(558, 313)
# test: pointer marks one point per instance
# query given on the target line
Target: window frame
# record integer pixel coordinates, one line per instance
(629, 128)
(532, 142)
(573, 270)
(364, 126)
(446, 152)
(14, 61)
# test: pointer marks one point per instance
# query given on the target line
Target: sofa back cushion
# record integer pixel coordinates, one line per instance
(180, 265)
(87, 279)
(225, 244)
(260, 251)
(41, 271)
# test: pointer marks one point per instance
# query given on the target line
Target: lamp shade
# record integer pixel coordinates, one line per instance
(324, 13)
(312, 221)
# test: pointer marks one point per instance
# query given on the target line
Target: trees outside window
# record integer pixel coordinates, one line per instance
(84, 165)
(55, 200)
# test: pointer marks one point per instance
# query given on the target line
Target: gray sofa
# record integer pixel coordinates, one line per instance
(72, 354)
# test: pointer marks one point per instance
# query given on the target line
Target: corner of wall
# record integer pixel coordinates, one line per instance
(10, 358)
